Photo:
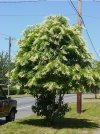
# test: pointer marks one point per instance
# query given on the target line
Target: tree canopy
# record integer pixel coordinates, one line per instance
(53, 59)
(4, 67)
(53, 56)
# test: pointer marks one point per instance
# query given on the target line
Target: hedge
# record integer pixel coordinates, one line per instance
(12, 91)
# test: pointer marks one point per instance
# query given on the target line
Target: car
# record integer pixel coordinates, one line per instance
(8, 106)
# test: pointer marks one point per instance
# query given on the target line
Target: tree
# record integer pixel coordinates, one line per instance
(96, 70)
(4, 67)
(52, 59)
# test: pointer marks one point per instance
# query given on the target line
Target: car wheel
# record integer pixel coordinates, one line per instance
(11, 116)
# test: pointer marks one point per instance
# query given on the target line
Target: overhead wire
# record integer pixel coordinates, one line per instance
(28, 1)
(17, 1)
(18, 15)
(26, 15)
(85, 28)
(4, 35)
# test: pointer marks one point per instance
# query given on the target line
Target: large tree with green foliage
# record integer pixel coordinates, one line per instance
(52, 59)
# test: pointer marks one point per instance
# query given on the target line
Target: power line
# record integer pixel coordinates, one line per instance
(85, 28)
(22, 1)
(22, 15)
(77, 11)
(27, 15)
(4, 35)
(28, 1)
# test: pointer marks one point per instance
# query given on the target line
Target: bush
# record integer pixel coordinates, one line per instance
(21, 91)
(12, 91)
(47, 106)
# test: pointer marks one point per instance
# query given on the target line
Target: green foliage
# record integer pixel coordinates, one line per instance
(4, 60)
(53, 58)
(47, 106)
(12, 91)
(97, 66)
(96, 75)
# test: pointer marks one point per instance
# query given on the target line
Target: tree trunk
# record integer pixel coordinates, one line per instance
(95, 95)
(60, 99)
(95, 92)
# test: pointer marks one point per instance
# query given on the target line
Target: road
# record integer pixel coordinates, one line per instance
(25, 103)
(24, 106)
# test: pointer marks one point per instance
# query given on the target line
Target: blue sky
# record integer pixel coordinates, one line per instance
(14, 18)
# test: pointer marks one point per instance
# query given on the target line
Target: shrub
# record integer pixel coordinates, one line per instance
(12, 91)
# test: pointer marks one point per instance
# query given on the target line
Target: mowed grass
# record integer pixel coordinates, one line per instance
(88, 122)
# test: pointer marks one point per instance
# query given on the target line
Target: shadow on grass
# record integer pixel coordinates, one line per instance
(64, 123)
(84, 110)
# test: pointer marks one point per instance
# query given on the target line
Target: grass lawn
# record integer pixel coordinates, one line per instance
(88, 122)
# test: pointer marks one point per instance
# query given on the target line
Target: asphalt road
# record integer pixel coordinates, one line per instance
(24, 104)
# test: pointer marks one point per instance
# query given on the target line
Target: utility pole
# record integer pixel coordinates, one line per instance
(79, 15)
(79, 21)
(9, 63)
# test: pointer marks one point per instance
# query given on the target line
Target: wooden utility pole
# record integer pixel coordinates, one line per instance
(9, 63)
(79, 21)
(79, 15)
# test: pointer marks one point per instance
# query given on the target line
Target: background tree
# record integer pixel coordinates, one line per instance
(52, 59)
(4, 62)
(96, 70)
